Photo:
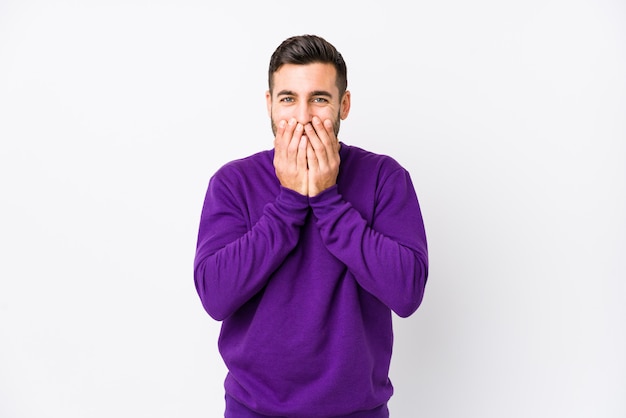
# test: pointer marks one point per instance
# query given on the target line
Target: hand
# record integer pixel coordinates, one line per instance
(290, 156)
(322, 155)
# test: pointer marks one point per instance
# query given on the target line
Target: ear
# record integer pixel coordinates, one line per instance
(345, 105)
(268, 102)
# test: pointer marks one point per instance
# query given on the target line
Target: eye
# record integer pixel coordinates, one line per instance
(320, 100)
(287, 99)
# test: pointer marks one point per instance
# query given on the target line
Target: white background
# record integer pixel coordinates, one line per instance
(510, 116)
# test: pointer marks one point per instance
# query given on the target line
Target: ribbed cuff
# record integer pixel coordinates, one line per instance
(292, 205)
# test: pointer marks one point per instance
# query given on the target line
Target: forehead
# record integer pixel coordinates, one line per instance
(305, 78)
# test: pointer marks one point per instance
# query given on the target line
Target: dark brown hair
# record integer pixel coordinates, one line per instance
(308, 49)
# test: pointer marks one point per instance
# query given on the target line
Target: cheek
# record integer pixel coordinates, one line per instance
(279, 113)
(325, 113)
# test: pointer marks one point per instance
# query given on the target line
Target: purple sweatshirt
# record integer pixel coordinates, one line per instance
(305, 286)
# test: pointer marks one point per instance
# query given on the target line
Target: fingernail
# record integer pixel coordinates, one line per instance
(281, 124)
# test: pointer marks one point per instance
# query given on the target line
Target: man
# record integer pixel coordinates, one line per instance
(305, 250)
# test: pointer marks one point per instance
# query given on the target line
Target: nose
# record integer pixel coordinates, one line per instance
(303, 113)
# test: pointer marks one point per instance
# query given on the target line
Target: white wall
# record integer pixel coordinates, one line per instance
(509, 115)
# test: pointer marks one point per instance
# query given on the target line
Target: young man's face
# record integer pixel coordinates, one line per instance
(304, 91)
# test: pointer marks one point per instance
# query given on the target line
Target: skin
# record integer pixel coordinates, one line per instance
(305, 109)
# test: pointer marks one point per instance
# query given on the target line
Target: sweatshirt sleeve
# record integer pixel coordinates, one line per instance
(387, 256)
(233, 260)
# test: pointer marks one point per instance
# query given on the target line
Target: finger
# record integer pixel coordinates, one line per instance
(315, 141)
(284, 133)
(294, 142)
(311, 157)
(282, 124)
(301, 160)
(324, 144)
(326, 132)
(330, 130)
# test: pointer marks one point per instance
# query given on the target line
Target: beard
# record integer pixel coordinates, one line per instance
(336, 124)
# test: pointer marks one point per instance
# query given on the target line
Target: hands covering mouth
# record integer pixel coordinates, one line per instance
(306, 157)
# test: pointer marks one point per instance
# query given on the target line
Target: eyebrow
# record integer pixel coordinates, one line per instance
(313, 93)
